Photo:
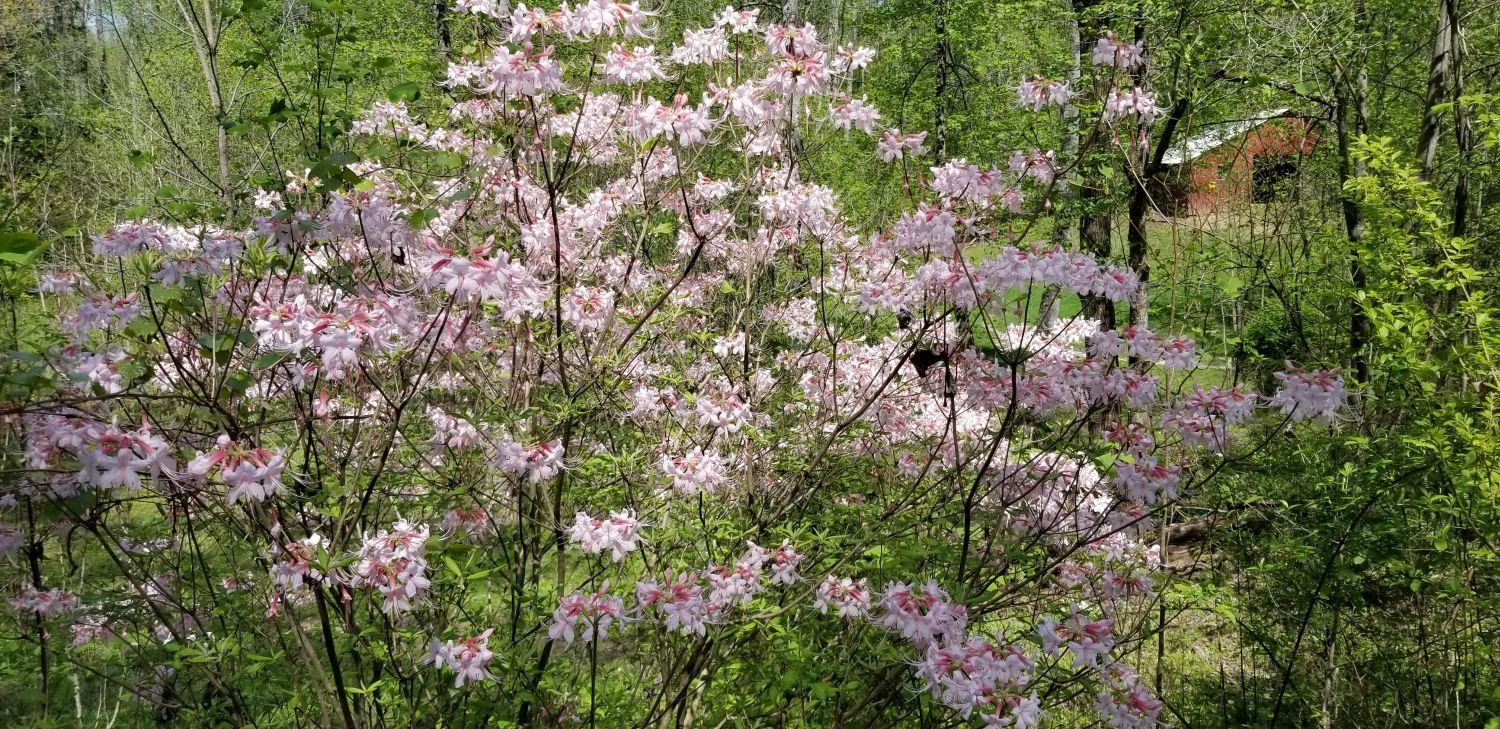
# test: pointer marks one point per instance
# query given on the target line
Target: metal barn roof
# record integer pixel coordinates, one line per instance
(1215, 135)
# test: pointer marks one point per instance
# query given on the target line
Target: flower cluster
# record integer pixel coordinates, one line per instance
(894, 145)
(1126, 703)
(687, 602)
(695, 471)
(469, 658)
(1089, 641)
(46, 603)
(593, 613)
(472, 525)
(1135, 102)
(538, 463)
(394, 563)
(619, 534)
(1040, 93)
(849, 598)
(1111, 51)
(294, 563)
(249, 472)
(1310, 395)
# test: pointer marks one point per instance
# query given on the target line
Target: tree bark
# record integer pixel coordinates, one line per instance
(1463, 131)
(940, 88)
(1437, 87)
(1350, 98)
(1137, 245)
(1149, 167)
(1095, 214)
(204, 32)
(1062, 232)
(444, 37)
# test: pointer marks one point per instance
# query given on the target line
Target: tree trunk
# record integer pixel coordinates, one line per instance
(444, 37)
(1437, 87)
(1137, 245)
(1463, 131)
(204, 32)
(1062, 232)
(940, 89)
(1095, 215)
(1350, 96)
(1149, 167)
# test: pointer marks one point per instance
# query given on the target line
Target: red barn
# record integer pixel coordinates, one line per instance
(1229, 164)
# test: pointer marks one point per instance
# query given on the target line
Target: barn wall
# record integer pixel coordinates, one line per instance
(1220, 180)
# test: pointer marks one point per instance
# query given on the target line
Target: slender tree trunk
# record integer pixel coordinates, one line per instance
(1094, 235)
(1437, 87)
(1094, 218)
(204, 32)
(1062, 233)
(1137, 244)
(940, 90)
(963, 329)
(1148, 166)
(1350, 96)
(1463, 131)
(444, 37)
(34, 559)
(1137, 248)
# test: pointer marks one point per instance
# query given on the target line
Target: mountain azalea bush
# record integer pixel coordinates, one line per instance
(585, 404)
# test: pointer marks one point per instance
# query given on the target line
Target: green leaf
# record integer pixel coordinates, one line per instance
(271, 359)
(405, 91)
(132, 370)
(215, 342)
(20, 248)
(238, 383)
(280, 110)
(142, 328)
(218, 346)
(141, 160)
(13, 242)
(420, 217)
(166, 294)
(1231, 285)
